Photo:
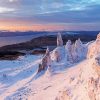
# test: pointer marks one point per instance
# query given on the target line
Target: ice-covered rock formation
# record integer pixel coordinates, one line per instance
(75, 52)
(68, 50)
(59, 40)
(80, 82)
(46, 61)
(94, 48)
(59, 52)
(72, 52)
(79, 51)
(87, 80)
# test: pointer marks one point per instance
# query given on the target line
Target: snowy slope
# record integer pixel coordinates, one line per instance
(72, 73)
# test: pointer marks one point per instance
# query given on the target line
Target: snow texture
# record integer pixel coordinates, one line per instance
(72, 72)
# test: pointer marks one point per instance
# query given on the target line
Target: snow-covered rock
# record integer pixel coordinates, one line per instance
(75, 52)
(81, 81)
(58, 54)
(68, 50)
(46, 61)
(94, 48)
(79, 50)
(59, 40)
(87, 80)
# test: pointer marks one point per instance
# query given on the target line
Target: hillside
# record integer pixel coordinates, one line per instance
(69, 72)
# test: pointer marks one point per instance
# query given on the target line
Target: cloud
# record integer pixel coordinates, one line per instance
(51, 11)
(5, 10)
(12, 0)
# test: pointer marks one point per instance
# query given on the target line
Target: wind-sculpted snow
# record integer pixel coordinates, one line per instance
(94, 48)
(73, 53)
(69, 72)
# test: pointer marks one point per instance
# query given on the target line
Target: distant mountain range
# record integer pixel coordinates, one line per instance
(18, 33)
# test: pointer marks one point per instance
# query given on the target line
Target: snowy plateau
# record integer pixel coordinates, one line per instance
(69, 72)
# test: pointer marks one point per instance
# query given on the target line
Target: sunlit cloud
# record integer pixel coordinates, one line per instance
(5, 10)
(12, 0)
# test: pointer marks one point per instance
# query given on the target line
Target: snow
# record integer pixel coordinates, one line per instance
(63, 79)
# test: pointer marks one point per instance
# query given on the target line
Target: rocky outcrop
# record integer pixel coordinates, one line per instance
(59, 40)
(94, 48)
(46, 61)
(79, 50)
(59, 52)
(68, 50)
(76, 51)
(72, 52)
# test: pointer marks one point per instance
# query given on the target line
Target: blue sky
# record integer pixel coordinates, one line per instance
(75, 14)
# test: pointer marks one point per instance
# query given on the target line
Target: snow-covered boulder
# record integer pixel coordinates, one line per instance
(59, 40)
(58, 54)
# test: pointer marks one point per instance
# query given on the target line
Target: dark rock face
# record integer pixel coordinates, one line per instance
(43, 64)
(10, 55)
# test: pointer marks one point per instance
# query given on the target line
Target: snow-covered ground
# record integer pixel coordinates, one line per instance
(70, 72)
(15, 74)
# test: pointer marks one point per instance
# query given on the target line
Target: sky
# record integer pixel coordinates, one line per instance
(51, 15)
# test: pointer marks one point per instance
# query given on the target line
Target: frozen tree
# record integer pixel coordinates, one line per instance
(59, 40)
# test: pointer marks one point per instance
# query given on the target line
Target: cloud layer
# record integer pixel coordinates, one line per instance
(66, 12)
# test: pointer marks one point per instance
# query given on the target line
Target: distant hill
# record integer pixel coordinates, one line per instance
(18, 33)
(49, 40)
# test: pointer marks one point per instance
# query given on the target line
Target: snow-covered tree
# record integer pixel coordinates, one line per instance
(59, 40)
